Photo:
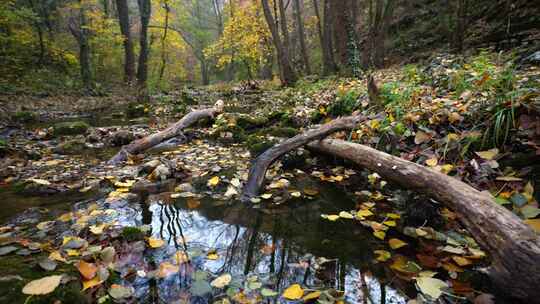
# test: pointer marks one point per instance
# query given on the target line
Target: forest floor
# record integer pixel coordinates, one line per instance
(167, 225)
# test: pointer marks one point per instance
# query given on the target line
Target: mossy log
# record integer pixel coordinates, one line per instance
(176, 129)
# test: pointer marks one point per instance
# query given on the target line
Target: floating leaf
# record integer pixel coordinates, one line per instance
(346, 215)
(518, 199)
(213, 181)
(330, 217)
(461, 261)
(166, 269)
(363, 213)
(42, 286)
(390, 223)
(266, 195)
(431, 286)
(296, 194)
(212, 255)
(382, 255)
(293, 292)
(57, 256)
(7, 250)
(221, 281)
(380, 234)
(120, 292)
(396, 243)
(265, 292)
(311, 192)
(47, 264)
(155, 242)
(200, 288)
(311, 296)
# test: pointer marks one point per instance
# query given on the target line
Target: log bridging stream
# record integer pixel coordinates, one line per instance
(513, 246)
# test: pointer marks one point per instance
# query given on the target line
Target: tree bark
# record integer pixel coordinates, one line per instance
(145, 10)
(129, 55)
(263, 161)
(287, 74)
(329, 64)
(84, 49)
(302, 36)
(513, 246)
(174, 130)
(163, 42)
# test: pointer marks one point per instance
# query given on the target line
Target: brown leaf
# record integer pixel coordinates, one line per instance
(87, 270)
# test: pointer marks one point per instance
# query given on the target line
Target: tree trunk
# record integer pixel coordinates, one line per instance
(329, 65)
(145, 10)
(513, 246)
(129, 55)
(84, 50)
(174, 130)
(302, 36)
(263, 161)
(340, 16)
(460, 25)
(163, 41)
(287, 74)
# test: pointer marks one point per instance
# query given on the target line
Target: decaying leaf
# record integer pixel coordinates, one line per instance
(431, 286)
(396, 243)
(87, 270)
(42, 286)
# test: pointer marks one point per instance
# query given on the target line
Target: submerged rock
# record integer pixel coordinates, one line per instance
(121, 138)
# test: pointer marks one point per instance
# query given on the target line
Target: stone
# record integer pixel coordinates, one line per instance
(70, 128)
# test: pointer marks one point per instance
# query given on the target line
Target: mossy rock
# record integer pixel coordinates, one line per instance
(135, 110)
(70, 128)
(70, 147)
(283, 118)
(132, 234)
(247, 122)
(24, 116)
(282, 131)
(229, 134)
(258, 144)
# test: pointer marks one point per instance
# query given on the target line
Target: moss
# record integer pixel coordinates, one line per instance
(3, 146)
(135, 110)
(132, 234)
(282, 131)
(70, 147)
(24, 116)
(258, 144)
(247, 122)
(70, 128)
(238, 134)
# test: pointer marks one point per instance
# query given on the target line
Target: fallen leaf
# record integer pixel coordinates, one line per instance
(379, 234)
(155, 242)
(431, 286)
(396, 243)
(311, 296)
(91, 283)
(213, 181)
(432, 162)
(421, 137)
(42, 286)
(120, 292)
(461, 261)
(382, 255)
(363, 213)
(293, 292)
(346, 215)
(489, 154)
(265, 292)
(535, 224)
(221, 281)
(87, 270)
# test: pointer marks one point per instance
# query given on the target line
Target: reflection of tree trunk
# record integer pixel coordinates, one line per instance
(284, 251)
(301, 36)
(252, 243)
(383, 292)
(273, 255)
(129, 55)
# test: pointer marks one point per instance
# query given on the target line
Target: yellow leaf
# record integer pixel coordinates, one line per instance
(213, 181)
(311, 296)
(432, 162)
(66, 217)
(382, 255)
(447, 168)
(489, 154)
(394, 216)
(293, 292)
(396, 243)
(73, 252)
(212, 255)
(166, 269)
(311, 192)
(380, 234)
(221, 281)
(452, 136)
(346, 215)
(331, 217)
(421, 137)
(155, 243)
(296, 194)
(431, 286)
(55, 255)
(461, 261)
(534, 223)
(42, 286)
(390, 223)
(97, 229)
(91, 283)
(363, 213)
(266, 195)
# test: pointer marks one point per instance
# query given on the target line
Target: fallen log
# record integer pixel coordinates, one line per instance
(513, 246)
(174, 130)
(263, 161)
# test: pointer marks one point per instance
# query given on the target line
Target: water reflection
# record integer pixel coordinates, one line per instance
(279, 250)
